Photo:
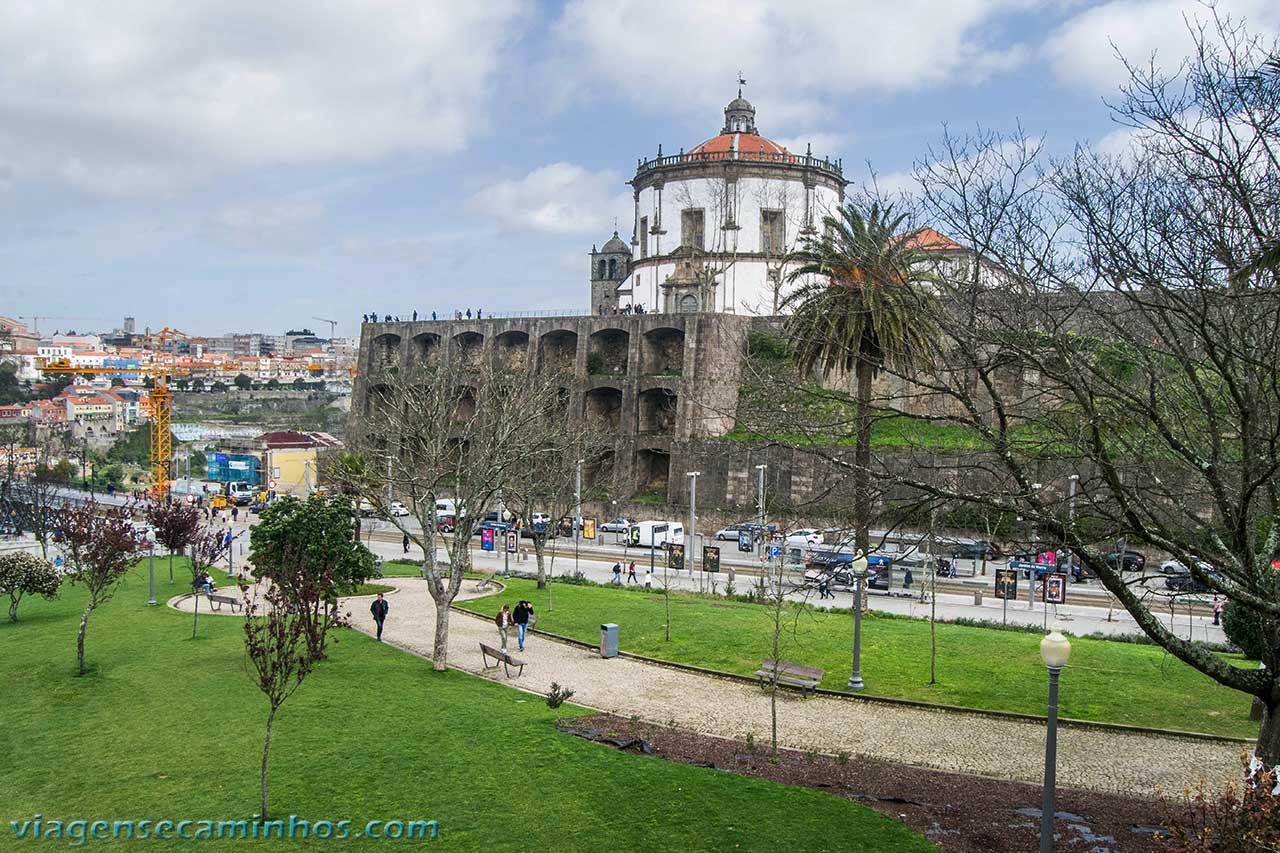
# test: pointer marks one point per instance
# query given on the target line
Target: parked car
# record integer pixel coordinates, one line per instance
(1175, 567)
(621, 524)
(397, 509)
(1132, 561)
(1187, 583)
(843, 579)
(804, 536)
(979, 550)
(365, 507)
(731, 532)
(445, 523)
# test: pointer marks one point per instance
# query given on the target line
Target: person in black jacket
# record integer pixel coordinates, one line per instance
(521, 617)
(379, 610)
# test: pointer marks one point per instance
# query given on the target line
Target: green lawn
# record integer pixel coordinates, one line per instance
(165, 727)
(977, 667)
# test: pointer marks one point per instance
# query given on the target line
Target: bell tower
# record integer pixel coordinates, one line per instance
(610, 266)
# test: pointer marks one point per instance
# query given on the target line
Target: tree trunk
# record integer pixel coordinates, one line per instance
(170, 566)
(1267, 749)
(195, 616)
(13, 606)
(266, 747)
(84, 626)
(440, 650)
(862, 459)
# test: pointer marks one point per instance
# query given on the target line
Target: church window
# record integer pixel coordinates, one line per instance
(613, 268)
(600, 268)
(773, 232)
(691, 228)
(644, 236)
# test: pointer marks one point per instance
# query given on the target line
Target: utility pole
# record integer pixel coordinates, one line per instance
(693, 515)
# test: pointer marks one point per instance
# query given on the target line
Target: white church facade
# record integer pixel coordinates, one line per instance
(713, 225)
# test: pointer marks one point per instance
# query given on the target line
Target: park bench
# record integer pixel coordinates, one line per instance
(790, 674)
(216, 601)
(501, 657)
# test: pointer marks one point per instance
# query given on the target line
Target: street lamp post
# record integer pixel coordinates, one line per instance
(858, 567)
(1055, 649)
(693, 514)
(760, 510)
(1071, 523)
(577, 511)
(151, 576)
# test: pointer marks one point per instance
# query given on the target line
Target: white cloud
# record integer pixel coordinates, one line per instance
(825, 144)
(1082, 52)
(675, 56)
(560, 198)
(137, 98)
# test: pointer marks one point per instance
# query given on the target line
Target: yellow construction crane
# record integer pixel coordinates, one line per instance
(164, 366)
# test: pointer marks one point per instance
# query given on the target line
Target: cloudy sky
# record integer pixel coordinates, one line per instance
(232, 164)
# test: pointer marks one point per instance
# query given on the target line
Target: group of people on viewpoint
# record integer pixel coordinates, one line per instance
(635, 308)
(413, 318)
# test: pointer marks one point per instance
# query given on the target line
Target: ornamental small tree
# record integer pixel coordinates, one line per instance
(279, 640)
(206, 548)
(296, 544)
(22, 574)
(100, 544)
(176, 525)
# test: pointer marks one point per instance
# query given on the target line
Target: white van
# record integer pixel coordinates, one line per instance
(641, 532)
(446, 506)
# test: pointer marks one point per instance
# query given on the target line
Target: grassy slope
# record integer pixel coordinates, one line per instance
(977, 667)
(167, 727)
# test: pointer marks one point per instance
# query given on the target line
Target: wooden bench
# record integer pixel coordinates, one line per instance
(216, 601)
(806, 678)
(506, 660)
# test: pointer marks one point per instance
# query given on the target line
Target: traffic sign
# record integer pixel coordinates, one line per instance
(675, 556)
(711, 558)
(775, 551)
(513, 542)
(486, 539)
(271, 484)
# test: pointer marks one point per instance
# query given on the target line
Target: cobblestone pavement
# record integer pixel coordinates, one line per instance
(970, 743)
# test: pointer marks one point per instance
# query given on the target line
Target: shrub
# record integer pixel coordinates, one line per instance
(595, 363)
(1243, 627)
(1242, 818)
(558, 696)
(22, 574)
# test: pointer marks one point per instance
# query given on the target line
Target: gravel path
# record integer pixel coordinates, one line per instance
(969, 743)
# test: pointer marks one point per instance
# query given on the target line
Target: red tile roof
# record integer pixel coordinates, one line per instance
(926, 239)
(747, 144)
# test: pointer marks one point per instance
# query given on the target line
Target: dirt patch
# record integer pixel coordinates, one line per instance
(971, 814)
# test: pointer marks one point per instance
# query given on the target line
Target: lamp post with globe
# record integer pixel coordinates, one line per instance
(1055, 649)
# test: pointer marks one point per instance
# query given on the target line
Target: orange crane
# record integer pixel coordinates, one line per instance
(161, 370)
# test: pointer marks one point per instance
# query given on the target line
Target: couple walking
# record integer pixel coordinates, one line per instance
(631, 573)
(522, 618)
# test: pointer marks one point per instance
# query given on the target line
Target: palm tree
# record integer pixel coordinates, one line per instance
(861, 307)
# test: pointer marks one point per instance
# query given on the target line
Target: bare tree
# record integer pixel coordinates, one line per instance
(206, 547)
(176, 525)
(101, 545)
(459, 430)
(1111, 326)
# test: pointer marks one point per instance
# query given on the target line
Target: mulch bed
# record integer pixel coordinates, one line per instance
(955, 811)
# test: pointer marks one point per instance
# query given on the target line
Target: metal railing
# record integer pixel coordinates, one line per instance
(800, 161)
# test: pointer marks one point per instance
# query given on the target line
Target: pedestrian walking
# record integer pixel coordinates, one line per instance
(1217, 610)
(522, 615)
(648, 578)
(824, 587)
(906, 579)
(617, 574)
(406, 543)
(235, 514)
(504, 622)
(379, 610)
(631, 573)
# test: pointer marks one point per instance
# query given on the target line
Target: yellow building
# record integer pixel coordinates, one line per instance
(290, 459)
